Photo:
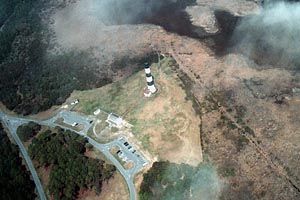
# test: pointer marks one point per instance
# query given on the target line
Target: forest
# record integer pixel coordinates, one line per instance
(6, 9)
(32, 79)
(63, 151)
(15, 180)
(27, 131)
(170, 181)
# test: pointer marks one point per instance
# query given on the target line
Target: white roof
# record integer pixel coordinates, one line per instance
(115, 119)
(97, 112)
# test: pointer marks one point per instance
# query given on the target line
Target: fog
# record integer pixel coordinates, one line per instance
(206, 184)
(84, 24)
(123, 12)
(271, 37)
(120, 23)
(201, 182)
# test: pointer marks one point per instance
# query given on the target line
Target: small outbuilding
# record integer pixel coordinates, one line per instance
(97, 112)
(76, 101)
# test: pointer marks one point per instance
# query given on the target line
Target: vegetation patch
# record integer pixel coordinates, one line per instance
(169, 181)
(27, 131)
(15, 181)
(227, 171)
(71, 170)
(249, 131)
(32, 79)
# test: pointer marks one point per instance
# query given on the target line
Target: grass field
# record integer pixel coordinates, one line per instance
(165, 124)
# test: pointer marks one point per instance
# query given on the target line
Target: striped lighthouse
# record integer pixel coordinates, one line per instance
(149, 78)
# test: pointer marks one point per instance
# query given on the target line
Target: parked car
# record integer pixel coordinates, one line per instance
(75, 124)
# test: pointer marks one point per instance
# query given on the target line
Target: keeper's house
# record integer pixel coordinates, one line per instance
(115, 120)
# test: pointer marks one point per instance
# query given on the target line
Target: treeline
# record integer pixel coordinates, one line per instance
(15, 181)
(27, 131)
(31, 80)
(19, 15)
(6, 9)
(70, 169)
(170, 181)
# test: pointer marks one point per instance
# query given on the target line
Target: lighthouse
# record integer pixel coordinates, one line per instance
(150, 81)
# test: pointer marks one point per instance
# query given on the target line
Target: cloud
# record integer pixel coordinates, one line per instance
(272, 36)
(84, 25)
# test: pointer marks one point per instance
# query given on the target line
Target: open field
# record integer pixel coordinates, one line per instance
(165, 124)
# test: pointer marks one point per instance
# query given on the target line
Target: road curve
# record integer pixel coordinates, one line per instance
(25, 156)
(106, 152)
(13, 123)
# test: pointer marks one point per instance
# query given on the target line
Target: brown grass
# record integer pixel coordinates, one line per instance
(165, 125)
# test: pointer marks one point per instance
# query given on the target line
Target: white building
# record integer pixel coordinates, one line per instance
(115, 120)
(76, 101)
(97, 112)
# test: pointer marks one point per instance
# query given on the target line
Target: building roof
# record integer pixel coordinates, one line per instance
(115, 119)
(97, 112)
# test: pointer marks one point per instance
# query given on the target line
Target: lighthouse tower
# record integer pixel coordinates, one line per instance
(150, 81)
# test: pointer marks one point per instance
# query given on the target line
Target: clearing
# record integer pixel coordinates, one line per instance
(164, 125)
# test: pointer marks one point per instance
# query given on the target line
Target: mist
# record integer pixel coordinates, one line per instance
(86, 24)
(272, 36)
(172, 181)
(89, 23)
(206, 183)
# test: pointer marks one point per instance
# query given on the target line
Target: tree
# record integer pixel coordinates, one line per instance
(27, 131)
(71, 169)
(15, 182)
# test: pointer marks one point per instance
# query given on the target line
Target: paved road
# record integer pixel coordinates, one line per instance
(14, 122)
(128, 178)
(72, 117)
(35, 177)
(137, 158)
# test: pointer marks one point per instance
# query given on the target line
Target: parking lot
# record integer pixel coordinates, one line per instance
(127, 152)
(74, 119)
(129, 148)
